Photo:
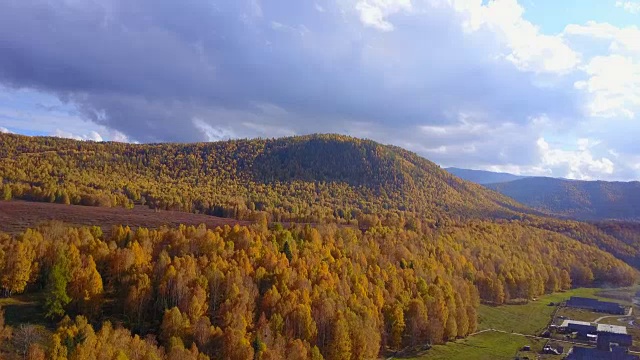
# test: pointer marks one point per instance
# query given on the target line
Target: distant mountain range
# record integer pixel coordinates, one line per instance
(583, 200)
(483, 177)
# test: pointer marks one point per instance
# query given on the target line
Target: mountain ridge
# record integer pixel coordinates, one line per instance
(578, 199)
(483, 177)
(591, 200)
(252, 175)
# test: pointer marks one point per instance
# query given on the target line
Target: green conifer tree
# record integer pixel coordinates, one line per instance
(56, 297)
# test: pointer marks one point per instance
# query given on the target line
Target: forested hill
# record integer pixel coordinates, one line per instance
(483, 177)
(584, 200)
(317, 178)
(429, 247)
(307, 179)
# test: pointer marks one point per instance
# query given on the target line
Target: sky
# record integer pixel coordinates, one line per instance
(532, 87)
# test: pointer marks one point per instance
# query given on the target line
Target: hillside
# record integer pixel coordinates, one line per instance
(308, 179)
(483, 177)
(583, 200)
(328, 178)
(385, 251)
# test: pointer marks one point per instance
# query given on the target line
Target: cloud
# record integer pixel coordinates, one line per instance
(613, 82)
(621, 40)
(374, 12)
(614, 86)
(92, 136)
(4, 130)
(462, 82)
(578, 163)
(529, 49)
(470, 142)
(632, 7)
(150, 76)
(106, 135)
(212, 133)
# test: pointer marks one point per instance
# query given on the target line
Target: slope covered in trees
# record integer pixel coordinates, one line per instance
(310, 179)
(266, 293)
(320, 178)
(583, 200)
(399, 254)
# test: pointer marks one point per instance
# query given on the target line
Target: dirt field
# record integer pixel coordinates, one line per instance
(16, 216)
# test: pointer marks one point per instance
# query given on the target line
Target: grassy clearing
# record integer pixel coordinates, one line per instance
(24, 309)
(623, 296)
(577, 314)
(530, 318)
(487, 345)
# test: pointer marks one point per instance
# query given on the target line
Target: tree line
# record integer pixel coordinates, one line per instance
(267, 292)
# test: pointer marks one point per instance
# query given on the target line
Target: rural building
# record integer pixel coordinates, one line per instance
(607, 341)
(548, 349)
(583, 328)
(596, 305)
(580, 353)
(616, 329)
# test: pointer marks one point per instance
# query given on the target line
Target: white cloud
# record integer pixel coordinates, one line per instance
(46, 115)
(529, 49)
(475, 142)
(5, 130)
(613, 86)
(632, 7)
(374, 12)
(94, 136)
(579, 163)
(91, 136)
(117, 136)
(613, 79)
(213, 133)
(625, 40)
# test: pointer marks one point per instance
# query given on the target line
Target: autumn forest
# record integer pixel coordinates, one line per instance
(355, 250)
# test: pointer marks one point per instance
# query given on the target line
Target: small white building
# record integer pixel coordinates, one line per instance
(615, 329)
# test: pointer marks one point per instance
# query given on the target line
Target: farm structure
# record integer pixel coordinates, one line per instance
(582, 328)
(614, 329)
(610, 345)
(595, 305)
(608, 341)
(580, 353)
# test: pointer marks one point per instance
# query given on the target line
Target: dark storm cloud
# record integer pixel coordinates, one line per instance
(149, 68)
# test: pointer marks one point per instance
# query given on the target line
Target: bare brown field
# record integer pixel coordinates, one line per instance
(16, 216)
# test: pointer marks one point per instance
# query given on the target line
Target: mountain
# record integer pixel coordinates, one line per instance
(305, 179)
(482, 176)
(309, 178)
(584, 200)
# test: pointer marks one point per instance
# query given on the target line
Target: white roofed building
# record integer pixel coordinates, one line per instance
(615, 329)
